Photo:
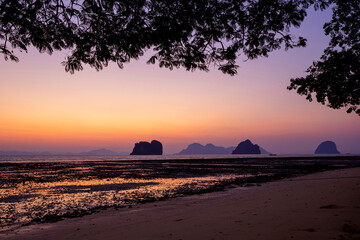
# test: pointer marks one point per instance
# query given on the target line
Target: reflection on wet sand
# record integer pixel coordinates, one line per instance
(32, 201)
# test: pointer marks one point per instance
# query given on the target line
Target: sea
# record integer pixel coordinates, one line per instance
(50, 158)
(56, 158)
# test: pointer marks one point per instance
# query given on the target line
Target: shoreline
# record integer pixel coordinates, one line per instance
(51, 191)
(314, 206)
(176, 158)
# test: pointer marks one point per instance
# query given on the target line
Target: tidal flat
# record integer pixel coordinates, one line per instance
(40, 191)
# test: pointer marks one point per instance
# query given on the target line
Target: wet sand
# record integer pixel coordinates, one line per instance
(323, 205)
(47, 190)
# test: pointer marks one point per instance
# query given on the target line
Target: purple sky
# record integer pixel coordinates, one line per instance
(46, 109)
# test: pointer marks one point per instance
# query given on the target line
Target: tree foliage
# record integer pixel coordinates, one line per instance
(192, 34)
(335, 79)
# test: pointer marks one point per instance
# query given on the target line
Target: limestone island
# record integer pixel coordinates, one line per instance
(146, 148)
(246, 147)
(327, 147)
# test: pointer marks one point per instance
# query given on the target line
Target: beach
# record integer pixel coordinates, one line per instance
(321, 205)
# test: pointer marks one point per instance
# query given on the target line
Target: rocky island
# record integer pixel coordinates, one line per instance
(246, 147)
(146, 148)
(327, 147)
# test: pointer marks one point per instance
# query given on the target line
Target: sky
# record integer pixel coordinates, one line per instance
(43, 108)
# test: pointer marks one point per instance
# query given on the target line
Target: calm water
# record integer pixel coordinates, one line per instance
(51, 158)
(56, 158)
(48, 188)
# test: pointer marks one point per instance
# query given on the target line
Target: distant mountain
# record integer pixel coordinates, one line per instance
(230, 149)
(101, 151)
(197, 148)
(263, 151)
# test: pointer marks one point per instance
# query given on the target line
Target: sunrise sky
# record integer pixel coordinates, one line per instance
(43, 108)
